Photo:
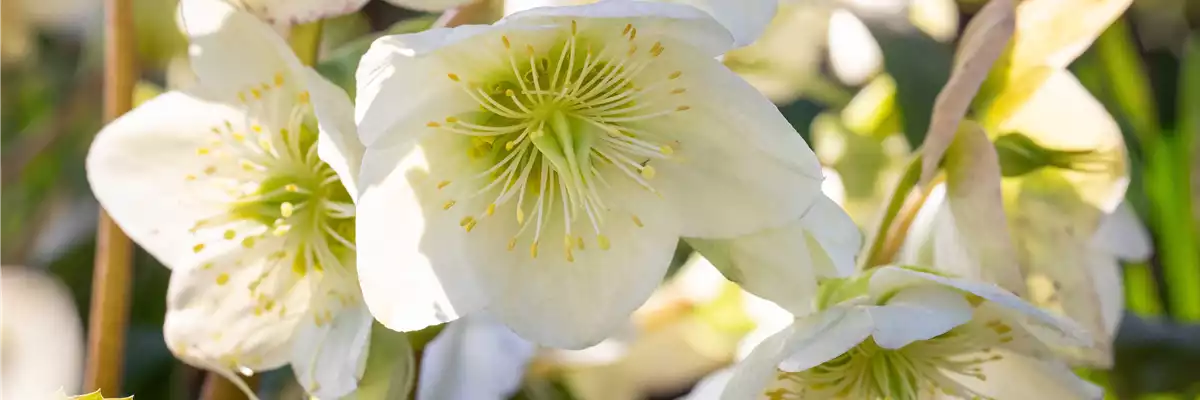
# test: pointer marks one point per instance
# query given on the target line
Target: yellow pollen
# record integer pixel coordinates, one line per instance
(190, 177)
(222, 279)
(257, 93)
(448, 205)
(603, 241)
(627, 28)
(648, 172)
(248, 242)
(491, 209)
(433, 124)
(202, 151)
(303, 97)
(239, 137)
(507, 45)
(453, 77)
(520, 216)
(574, 27)
(637, 221)
(675, 75)
(533, 250)
(632, 49)
(570, 255)
(632, 32)
(579, 242)
(666, 150)
(286, 209)
(470, 226)
(198, 248)
(510, 145)
(278, 79)
(291, 187)
(451, 120)
(210, 170)
(230, 234)
(256, 128)
(512, 244)
(683, 108)
(465, 221)
(442, 184)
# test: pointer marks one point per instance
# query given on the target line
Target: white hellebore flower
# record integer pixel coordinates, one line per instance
(289, 12)
(900, 333)
(543, 168)
(242, 186)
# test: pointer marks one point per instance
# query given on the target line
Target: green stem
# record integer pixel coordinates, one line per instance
(880, 238)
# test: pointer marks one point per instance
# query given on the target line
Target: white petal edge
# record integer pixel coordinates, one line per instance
(746, 20)
(825, 335)
(288, 12)
(328, 360)
(1018, 376)
(474, 358)
(232, 50)
(918, 313)
(337, 141)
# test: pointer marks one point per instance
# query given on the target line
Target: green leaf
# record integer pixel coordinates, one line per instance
(340, 65)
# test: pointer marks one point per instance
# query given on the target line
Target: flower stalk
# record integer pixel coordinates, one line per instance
(113, 263)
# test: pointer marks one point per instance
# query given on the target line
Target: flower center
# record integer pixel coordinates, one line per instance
(920, 369)
(280, 198)
(551, 125)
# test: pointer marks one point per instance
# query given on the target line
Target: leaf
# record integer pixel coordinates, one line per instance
(985, 39)
(390, 367)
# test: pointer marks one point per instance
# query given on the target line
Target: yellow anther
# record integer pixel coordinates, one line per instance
(568, 242)
(466, 220)
(453, 77)
(529, 49)
(223, 278)
(507, 44)
(278, 79)
(209, 170)
(632, 49)
(657, 49)
(451, 120)
(512, 244)
(520, 216)
(491, 209)
(230, 234)
(266, 87)
(241, 97)
(303, 97)
(291, 187)
(632, 33)
(256, 93)
(442, 184)
(433, 124)
(248, 242)
(579, 242)
(603, 241)
(258, 311)
(533, 250)
(269, 305)
(256, 128)
(678, 91)
(189, 177)
(510, 93)
(286, 209)
(238, 137)
(570, 255)
(198, 248)
(637, 221)
(648, 172)
(675, 75)
(470, 226)
(666, 150)
(448, 205)
(574, 27)
(510, 145)
(683, 108)
(202, 151)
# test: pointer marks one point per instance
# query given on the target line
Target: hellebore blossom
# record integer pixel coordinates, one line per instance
(541, 169)
(901, 333)
(288, 12)
(243, 187)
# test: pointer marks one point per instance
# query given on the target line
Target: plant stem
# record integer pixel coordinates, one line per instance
(113, 269)
(883, 237)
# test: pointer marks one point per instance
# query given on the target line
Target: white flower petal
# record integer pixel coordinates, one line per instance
(337, 144)
(783, 264)
(139, 168)
(428, 5)
(918, 313)
(1020, 377)
(214, 321)
(824, 336)
(410, 260)
(745, 19)
(286, 12)
(232, 50)
(1122, 234)
(474, 359)
(404, 80)
(854, 54)
(328, 360)
(43, 337)
(1047, 327)
(711, 387)
(739, 166)
(674, 22)
(752, 375)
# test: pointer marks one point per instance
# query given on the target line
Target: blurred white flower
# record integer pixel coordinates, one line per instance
(474, 358)
(290, 12)
(43, 337)
(242, 186)
(543, 168)
(901, 333)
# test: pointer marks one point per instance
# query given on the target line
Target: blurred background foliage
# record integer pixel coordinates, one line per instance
(862, 108)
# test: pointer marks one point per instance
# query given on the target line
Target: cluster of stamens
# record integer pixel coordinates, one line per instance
(922, 369)
(556, 122)
(277, 191)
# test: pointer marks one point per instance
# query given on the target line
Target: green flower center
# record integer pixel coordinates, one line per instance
(556, 120)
